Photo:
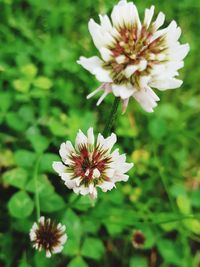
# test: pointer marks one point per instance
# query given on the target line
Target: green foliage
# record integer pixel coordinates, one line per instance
(92, 248)
(43, 103)
(20, 205)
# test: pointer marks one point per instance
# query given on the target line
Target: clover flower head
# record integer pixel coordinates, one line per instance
(91, 164)
(138, 239)
(135, 56)
(48, 235)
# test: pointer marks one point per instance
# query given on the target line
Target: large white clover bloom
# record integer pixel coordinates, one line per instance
(48, 235)
(135, 56)
(91, 164)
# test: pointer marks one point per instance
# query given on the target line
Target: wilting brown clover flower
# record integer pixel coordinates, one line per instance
(138, 239)
(48, 235)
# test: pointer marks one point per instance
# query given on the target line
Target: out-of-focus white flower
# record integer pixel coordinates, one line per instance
(91, 164)
(48, 235)
(138, 239)
(135, 56)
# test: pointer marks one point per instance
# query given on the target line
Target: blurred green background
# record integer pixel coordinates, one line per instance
(43, 103)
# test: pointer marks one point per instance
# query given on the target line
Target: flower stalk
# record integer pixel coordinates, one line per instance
(112, 117)
(35, 176)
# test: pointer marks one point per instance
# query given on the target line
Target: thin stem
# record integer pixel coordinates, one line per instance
(37, 200)
(111, 117)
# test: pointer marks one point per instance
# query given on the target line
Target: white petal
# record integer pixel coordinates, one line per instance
(102, 75)
(81, 139)
(148, 16)
(90, 136)
(179, 52)
(110, 141)
(100, 140)
(125, 13)
(123, 91)
(167, 84)
(63, 239)
(120, 59)
(96, 173)
(70, 183)
(130, 70)
(32, 236)
(59, 167)
(109, 172)
(93, 194)
(81, 190)
(90, 64)
(106, 186)
(102, 98)
(145, 100)
(48, 254)
(42, 219)
(105, 22)
(100, 88)
(57, 249)
(125, 167)
(159, 21)
(106, 54)
(100, 36)
(125, 105)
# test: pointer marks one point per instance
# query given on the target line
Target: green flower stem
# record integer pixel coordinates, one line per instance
(111, 117)
(37, 200)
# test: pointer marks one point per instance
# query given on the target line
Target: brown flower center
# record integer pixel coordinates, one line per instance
(133, 49)
(47, 235)
(90, 165)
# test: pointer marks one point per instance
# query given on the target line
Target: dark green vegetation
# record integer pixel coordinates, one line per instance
(43, 103)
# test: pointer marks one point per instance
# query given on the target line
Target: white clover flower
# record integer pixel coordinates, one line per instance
(91, 164)
(135, 56)
(48, 235)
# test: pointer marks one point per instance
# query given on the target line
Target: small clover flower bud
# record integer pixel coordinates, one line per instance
(48, 235)
(138, 239)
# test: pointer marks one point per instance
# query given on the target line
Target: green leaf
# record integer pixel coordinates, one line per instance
(38, 142)
(71, 248)
(57, 127)
(25, 158)
(21, 85)
(93, 248)
(6, 158)
(5, 101)
(83, 203)
(29, 70)
(77, 262)
(43, 83)
(20, 205)
(74, 231)
(138, 262)
(15, 122)
(22, 225)
(169, 251)
(27, 113)
(193, 225)
(195, 198)
(73, 224)
(44, 186)
(16, 177)
(53, 203)
(184, 204)
(157, 128)
(46, 162)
